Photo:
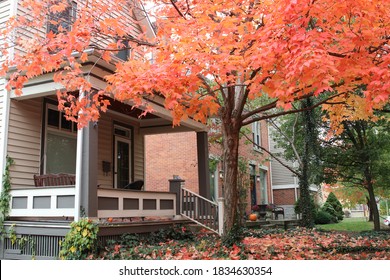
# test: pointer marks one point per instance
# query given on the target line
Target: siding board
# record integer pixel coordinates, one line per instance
(24, 141)
(106, 146)
(280, 174)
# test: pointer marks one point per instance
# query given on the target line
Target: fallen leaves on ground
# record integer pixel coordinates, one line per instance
(295, 244)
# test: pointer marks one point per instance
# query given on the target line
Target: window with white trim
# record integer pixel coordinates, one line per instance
(60, 142)
(256, 135)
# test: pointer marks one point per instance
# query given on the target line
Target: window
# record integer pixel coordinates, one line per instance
(256, 135)
(123, 157)
(252, 176)
(60, 143)
(263, 187)
(125, 52)
(63, 19)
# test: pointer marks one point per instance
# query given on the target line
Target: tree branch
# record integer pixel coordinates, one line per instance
(288, 140)
(273, 156)
(265, 116)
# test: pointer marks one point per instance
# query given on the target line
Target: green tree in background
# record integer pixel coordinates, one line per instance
(336, 204)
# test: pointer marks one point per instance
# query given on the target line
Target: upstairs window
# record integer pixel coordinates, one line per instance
(62, 19)
(125, 52)
(256, 135)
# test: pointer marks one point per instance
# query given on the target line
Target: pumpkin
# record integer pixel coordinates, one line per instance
(253, 217)
(109, 220)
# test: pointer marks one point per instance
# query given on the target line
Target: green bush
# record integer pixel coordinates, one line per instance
(81, 241)
(323, 218)
(328, 208)
(336, 204)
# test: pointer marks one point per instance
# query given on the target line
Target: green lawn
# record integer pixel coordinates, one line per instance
(349, 224)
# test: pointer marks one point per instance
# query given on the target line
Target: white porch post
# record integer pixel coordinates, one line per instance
(79, 158)
(221, 214)
(86, 171)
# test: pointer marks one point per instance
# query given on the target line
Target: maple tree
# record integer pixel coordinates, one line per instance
(213, 57)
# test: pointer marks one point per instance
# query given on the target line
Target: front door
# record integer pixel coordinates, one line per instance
(122, 157)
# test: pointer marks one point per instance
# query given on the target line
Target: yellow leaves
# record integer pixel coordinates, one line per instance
(72, 249)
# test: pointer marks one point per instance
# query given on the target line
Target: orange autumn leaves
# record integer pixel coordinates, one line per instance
(205, 51)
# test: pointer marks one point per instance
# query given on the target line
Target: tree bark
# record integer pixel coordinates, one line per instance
(305, 200)
(372, 201)
(230, 133)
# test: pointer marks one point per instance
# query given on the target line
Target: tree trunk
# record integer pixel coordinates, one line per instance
(373, 208)
(370, 189)
(305, 200)
(230, 135)
(370, 216)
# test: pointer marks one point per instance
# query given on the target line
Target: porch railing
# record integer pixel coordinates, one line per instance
(202, 211)
(119, 203)
(59, 201)
(43, 202)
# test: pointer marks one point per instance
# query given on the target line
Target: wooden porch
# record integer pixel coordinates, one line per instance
(58, 202)
(42, 215)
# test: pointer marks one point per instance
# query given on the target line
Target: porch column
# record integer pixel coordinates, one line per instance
(88, 170)
(203, 164)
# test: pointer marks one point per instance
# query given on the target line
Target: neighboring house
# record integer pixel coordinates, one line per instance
(285, 185)
(171, 155)
(103, 157)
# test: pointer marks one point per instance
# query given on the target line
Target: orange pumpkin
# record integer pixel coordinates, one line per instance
(253, 217)
(109, 220)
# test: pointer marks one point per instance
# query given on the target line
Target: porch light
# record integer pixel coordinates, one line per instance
(258, 178)
(221, 174)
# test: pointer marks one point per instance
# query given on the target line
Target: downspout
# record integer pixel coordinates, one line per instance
(79, 168)
(270, 166)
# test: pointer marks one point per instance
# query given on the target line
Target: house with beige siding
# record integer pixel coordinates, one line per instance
(103, 158)
(285, 185)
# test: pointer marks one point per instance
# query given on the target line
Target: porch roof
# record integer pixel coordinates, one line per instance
(159, 121)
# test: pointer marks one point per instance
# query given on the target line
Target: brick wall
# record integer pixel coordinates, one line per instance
(284, 197)
(170, 154)
(176, 154)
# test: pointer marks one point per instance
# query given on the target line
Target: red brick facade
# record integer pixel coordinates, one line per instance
(168, 155)
(176, 154)
(284, 196)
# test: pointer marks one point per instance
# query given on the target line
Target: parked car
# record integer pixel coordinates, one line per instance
(387, 221)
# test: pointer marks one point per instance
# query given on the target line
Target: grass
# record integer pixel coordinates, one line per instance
(350, 224)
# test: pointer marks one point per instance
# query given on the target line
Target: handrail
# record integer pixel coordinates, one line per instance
(200, 210)
(195, 194)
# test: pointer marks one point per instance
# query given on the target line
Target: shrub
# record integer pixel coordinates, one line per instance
(323, 217)
(328, 208)
(336, 204)
(80, 241)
